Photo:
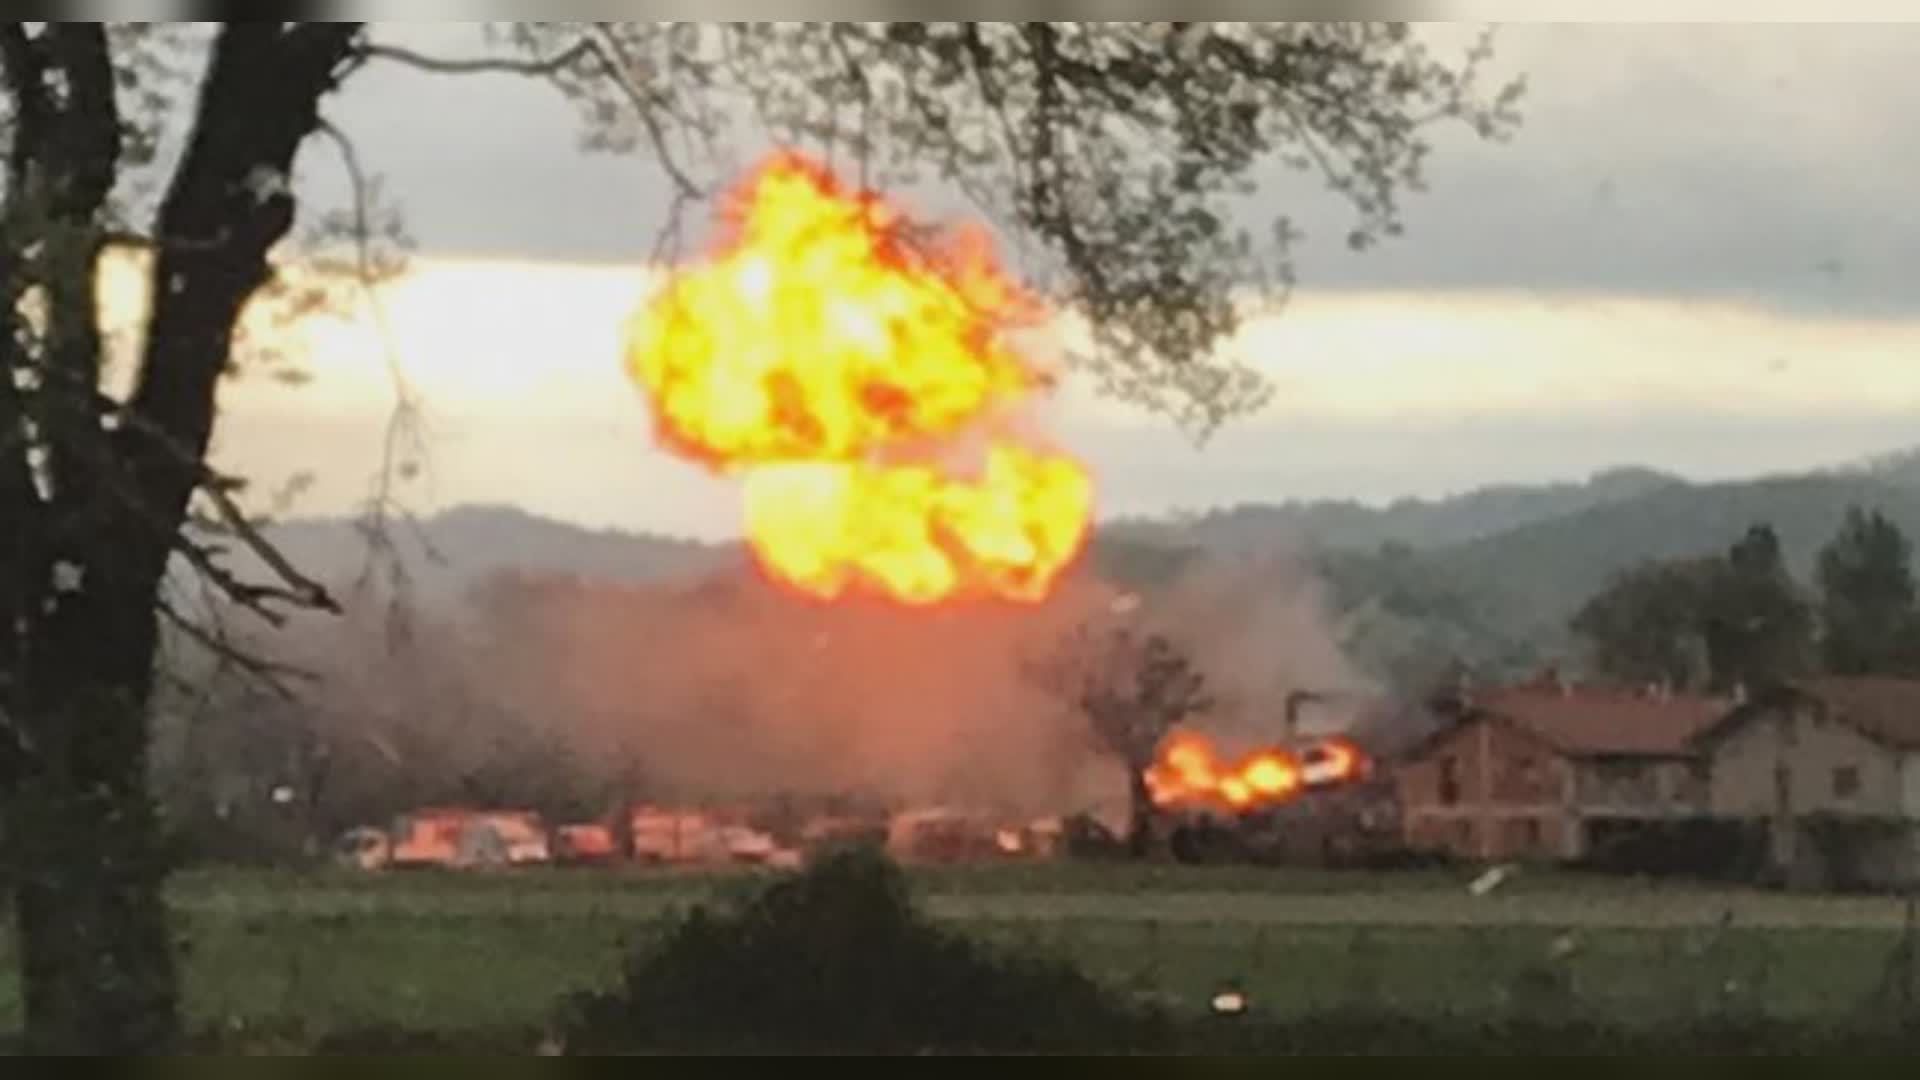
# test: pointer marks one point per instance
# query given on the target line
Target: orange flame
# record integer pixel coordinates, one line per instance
(826, 357)
(1189, 771)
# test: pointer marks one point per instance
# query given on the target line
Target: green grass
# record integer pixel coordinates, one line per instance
(305, 954)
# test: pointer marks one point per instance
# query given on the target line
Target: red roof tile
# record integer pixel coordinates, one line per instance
(1593, 721)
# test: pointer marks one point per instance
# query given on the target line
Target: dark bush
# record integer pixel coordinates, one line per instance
(838, 960)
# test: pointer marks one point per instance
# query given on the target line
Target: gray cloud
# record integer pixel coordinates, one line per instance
(1766, 163)
(1769, 163)
(1150, 471)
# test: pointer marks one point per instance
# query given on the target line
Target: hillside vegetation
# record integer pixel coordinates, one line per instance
(1488, 577)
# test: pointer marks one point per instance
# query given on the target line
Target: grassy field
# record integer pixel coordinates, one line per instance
(303, 954)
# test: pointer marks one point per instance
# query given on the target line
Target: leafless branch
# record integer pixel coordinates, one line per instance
(253, 597)
(295, 587)
(363, 239)
(270, 673)
(667, 242)
(477, 65)
(733, 61)
(403, 422)
(617, 62)
(314, 594)
(858, 75)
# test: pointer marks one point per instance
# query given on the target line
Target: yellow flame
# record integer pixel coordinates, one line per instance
(817, 351)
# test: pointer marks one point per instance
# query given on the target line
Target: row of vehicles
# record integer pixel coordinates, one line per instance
(466, 838)
(459, 838)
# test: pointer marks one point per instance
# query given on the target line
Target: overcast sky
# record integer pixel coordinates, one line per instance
(1696, 254)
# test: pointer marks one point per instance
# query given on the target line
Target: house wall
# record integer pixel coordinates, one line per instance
(1795, 745)
(1909, 769)
(1640, 787)
(1508, 797)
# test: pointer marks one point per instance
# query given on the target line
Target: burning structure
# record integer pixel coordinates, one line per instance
(1306, 798)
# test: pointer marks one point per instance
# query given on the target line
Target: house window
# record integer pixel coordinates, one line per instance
(1846, 781)
(1449, 781)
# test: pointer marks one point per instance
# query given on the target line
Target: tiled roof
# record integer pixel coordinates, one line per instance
(1596, 721)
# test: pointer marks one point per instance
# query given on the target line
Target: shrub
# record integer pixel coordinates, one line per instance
(838, 960)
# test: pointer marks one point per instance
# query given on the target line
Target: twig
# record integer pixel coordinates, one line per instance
(980, 57)
(363, 249)
(731, 58)
(404, 420)
(314, 594)
(671, 234)
(476, 65)
(859, 76)
(615, 59)
(298, 588)
(252, 597)
(268, 672)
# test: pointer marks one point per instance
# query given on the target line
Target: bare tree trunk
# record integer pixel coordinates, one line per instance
(97, 963)
(95, 532)
(1139, 812)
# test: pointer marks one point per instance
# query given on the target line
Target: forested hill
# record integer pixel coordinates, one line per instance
(1490, 576)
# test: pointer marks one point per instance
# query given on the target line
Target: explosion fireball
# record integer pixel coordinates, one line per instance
(857, 378)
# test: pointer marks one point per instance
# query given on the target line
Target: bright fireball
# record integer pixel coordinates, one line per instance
(839, 365)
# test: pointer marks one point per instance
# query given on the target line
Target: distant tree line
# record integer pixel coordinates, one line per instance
(1738, 618)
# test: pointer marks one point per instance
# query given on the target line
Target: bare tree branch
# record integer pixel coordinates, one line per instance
(252, 596)
(363, 253)
(477, 65)
(404, 421)
(858, 76)
(295, 586)
(617, 63)
(312, 594)
(269, 673)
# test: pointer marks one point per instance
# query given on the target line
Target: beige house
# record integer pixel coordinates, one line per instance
(1553, 771)
(1830, 768)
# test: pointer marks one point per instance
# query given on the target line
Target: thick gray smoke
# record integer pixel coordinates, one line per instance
(736, 689)
(732, 689)
(1257, 626)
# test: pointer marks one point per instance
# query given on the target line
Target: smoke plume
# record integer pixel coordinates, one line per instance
(730, 688)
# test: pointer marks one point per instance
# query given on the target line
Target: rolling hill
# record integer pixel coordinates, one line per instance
(444, 554)
(1332, 524)
(1490, 576)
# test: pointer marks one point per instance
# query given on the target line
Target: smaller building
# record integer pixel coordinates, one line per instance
(1554, 771)
(1829, 770)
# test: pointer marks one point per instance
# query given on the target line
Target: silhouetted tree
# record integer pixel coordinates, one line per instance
(1869, 624)
(1757, 627)
(1738, 619)
(1647, 624)
(1133, 687)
